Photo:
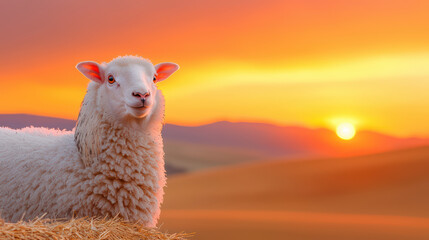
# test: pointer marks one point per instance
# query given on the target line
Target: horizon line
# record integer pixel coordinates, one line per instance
(249, 122)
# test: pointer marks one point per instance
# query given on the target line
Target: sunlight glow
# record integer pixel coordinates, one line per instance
(346, 131)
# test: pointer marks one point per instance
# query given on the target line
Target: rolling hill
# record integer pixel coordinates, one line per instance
(380, 196)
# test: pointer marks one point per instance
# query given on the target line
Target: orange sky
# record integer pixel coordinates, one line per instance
(311, 63)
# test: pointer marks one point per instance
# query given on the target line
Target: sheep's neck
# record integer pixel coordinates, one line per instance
(121, 145)
(95, 133)
(116, 142)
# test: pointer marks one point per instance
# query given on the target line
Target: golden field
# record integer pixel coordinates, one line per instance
(381, 196)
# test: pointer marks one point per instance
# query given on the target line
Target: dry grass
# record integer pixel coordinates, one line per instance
(82, 228)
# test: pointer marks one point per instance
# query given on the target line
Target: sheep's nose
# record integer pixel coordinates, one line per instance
(140, 95)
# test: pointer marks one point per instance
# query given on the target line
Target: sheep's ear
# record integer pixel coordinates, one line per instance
(164, 70)
(91, 70)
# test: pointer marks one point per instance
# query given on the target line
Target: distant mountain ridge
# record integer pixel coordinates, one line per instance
(291, 141)
(18, 121)
(271, 140)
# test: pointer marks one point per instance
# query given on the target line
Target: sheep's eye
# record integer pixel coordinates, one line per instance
(111, 79)
(154, 79)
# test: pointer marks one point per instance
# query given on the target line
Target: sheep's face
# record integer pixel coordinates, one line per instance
(129, 89)
(127, 85)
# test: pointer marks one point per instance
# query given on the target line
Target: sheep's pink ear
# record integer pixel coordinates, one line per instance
(91, 70)
(164, 70)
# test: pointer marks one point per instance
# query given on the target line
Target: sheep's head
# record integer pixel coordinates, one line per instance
(127, 85)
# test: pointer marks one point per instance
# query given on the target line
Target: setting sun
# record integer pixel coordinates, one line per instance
(346, 131)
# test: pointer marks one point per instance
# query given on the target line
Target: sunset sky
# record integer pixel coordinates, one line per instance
(311, 63)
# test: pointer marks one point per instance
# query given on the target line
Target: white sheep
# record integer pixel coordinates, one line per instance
(113, 162)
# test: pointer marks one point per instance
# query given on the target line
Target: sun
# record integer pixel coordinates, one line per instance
(346, 131)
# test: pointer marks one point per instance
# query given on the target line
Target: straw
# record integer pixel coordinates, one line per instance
(83, 228)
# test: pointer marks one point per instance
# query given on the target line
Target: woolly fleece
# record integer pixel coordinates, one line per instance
(42, 171)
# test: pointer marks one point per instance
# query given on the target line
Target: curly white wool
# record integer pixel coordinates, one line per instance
(112, 164)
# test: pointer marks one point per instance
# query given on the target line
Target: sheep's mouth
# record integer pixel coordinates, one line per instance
(138, 107)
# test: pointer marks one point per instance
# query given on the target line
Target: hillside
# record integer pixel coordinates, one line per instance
(381, 181)
(344, 198)
(196, 156)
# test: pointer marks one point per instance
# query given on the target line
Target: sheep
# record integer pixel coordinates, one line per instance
(111, 164)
